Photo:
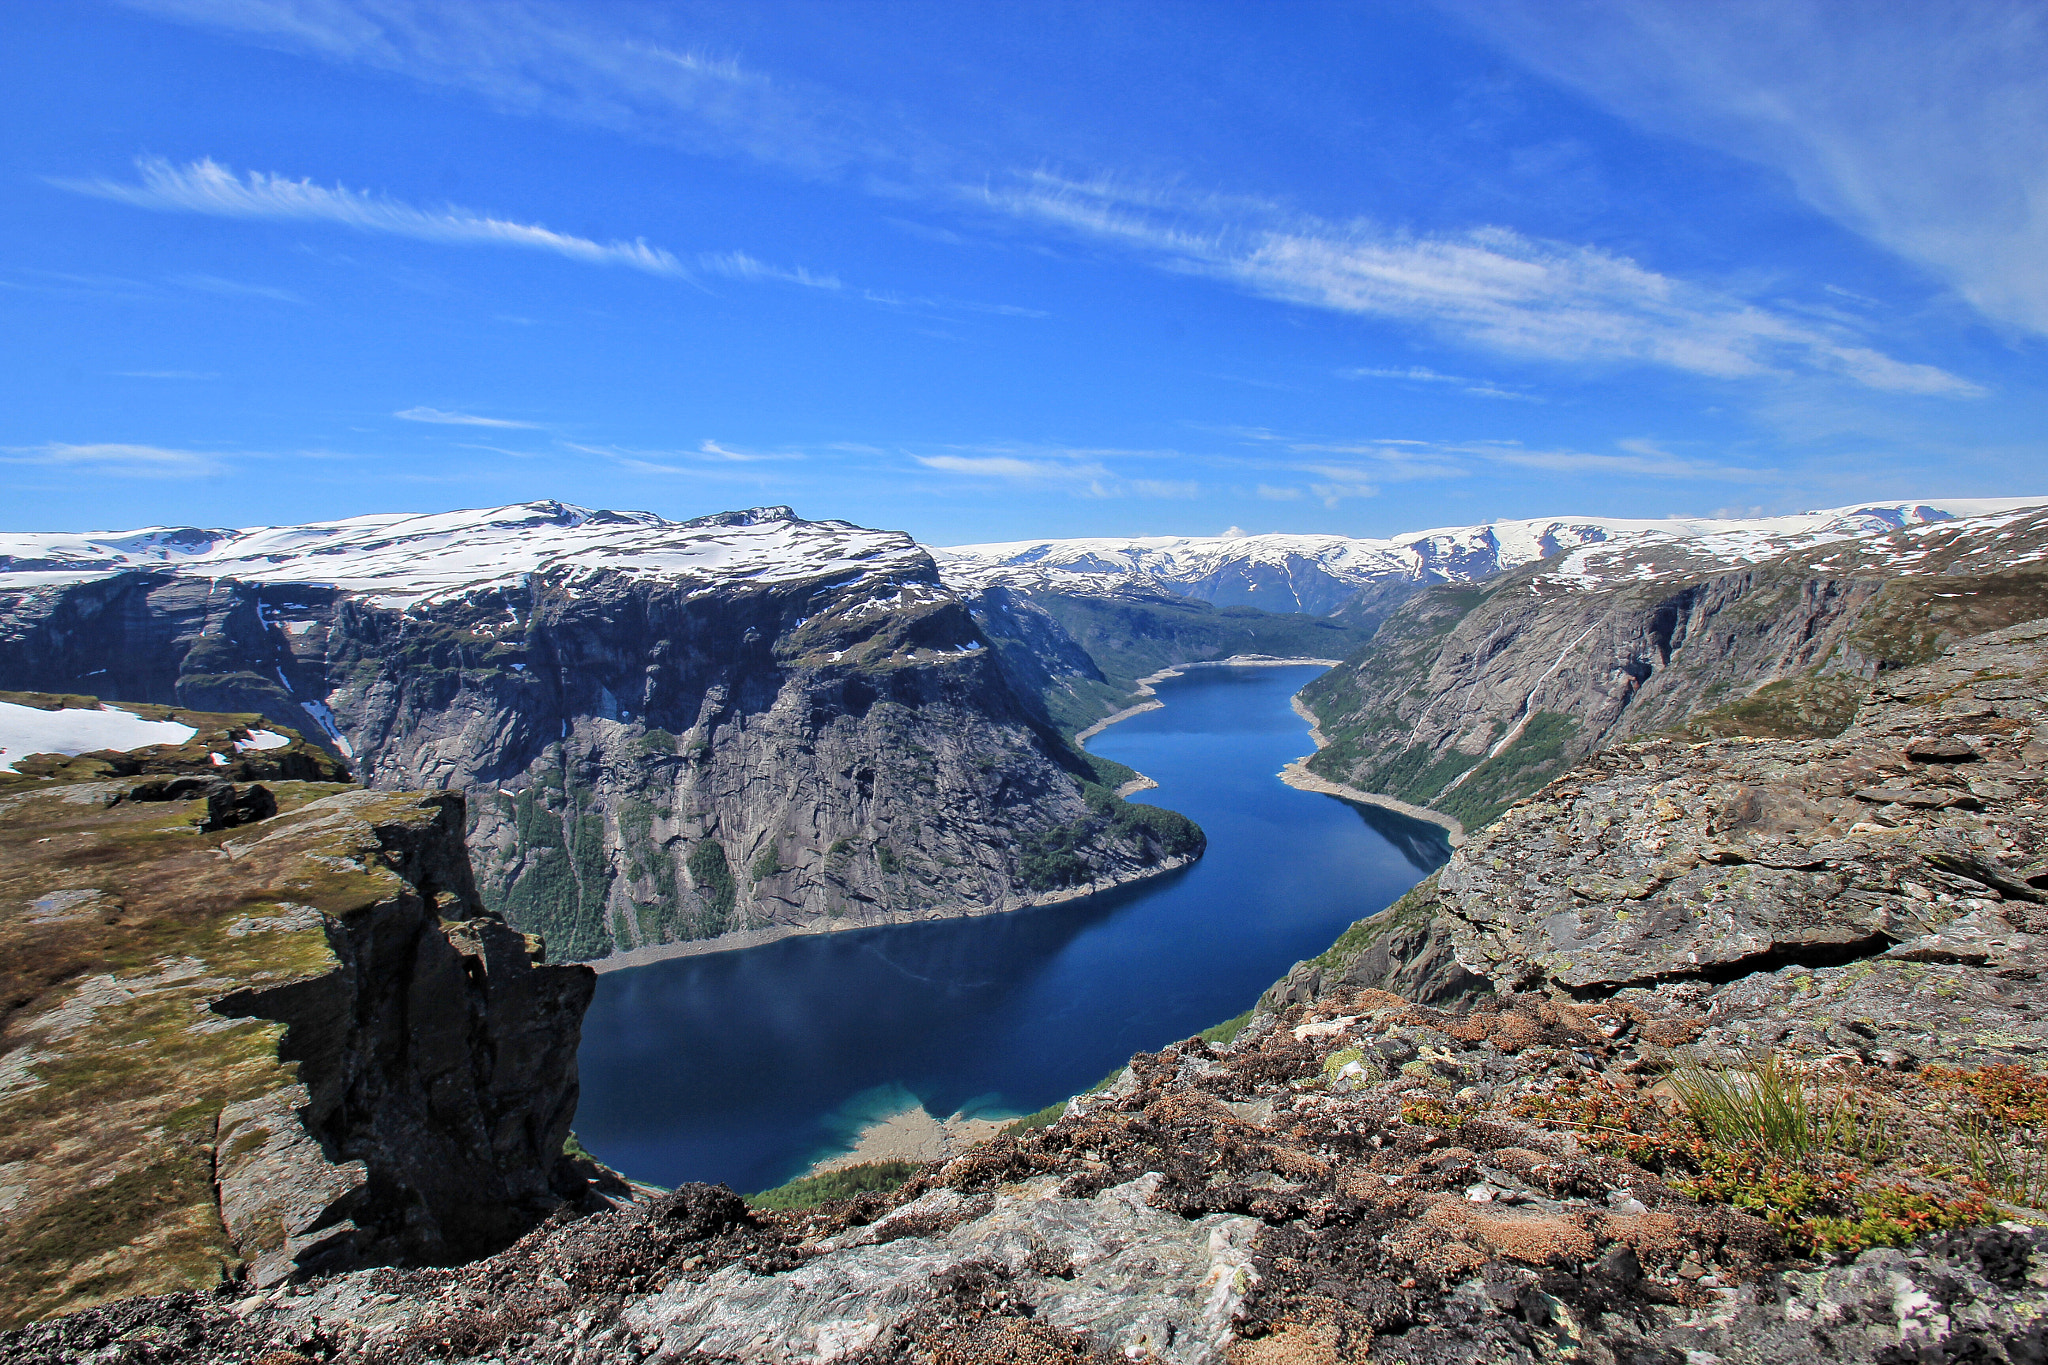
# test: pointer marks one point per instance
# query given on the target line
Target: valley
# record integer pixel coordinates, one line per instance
(839, 819)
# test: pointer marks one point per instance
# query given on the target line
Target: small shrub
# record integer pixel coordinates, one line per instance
(1429, 1113)
(1890, 1216)
(767, 863)
(656, 742)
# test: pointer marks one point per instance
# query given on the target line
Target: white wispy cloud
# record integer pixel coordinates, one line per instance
(458, 419)
(234, 289)
(1371, 463)
(131, 461)
(1918, 126)
(738, 265)
(1002, 466)
(206, 186)
(1420, 374)
(1640, 458)
(1090, 472)
(1490, 287)
(584, 65)
(713, 450)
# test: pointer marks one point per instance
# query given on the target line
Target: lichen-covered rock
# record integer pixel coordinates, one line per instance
(251, 1050)
(1363, 1178)
(1879, 895)
(1405, 949)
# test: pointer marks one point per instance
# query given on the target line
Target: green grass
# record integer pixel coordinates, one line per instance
(811, 1191)
(1542, 751)
(1221, 1035)
(1763, 1105)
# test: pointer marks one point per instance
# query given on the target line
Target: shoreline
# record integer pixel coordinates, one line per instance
(1152, 703)
(1297, 776)
(741, 939)
(911, 1134)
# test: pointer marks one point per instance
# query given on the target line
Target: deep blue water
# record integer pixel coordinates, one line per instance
(745, 1067)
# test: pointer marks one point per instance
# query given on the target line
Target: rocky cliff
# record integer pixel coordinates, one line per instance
(1470, 696)
(1746, 1071)
(258, 1030)
(670, 731)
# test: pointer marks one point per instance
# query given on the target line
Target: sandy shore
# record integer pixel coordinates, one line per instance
(1297, 775)
(913, 1135)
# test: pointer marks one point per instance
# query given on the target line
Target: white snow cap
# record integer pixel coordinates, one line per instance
(400, 560)
(1444, 554)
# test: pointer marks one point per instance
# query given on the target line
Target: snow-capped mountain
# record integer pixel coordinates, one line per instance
(1317, 573)
(404, 560)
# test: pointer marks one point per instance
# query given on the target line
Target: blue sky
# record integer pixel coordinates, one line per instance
(996, 271)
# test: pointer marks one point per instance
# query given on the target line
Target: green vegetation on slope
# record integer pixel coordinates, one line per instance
(1538, 754)
(812, 1190)
(1791, 708)
(1053, 860)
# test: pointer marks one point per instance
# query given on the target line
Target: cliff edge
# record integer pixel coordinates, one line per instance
(254, 1030)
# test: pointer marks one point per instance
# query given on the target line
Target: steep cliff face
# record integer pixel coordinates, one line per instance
(672, 730)
(1561, 1164)
(1471, 696)
(286, 1041)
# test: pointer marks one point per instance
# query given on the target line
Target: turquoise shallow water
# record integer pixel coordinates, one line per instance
(745, 1067)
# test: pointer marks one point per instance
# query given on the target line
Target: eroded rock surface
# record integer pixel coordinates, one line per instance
(252, 1050)
(1361, 1178)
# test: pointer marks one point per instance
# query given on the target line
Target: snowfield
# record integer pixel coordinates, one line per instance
(399, 560)
(1315, 573)
(26, 730)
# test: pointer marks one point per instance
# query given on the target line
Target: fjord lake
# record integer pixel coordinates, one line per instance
(745, 1067)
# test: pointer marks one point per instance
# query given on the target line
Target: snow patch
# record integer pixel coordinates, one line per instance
(26, 730)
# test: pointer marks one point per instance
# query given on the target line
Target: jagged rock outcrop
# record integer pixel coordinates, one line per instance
(1513, 1178)
(670, 731)
(257, 1049)
(1406, 950)
(1360, 1179)
(1470, 696)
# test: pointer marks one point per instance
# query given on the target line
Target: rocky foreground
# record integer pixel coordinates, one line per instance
(1849, 929)
(253, 1030)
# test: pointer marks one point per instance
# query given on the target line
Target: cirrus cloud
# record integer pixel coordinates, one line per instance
(1490, 287)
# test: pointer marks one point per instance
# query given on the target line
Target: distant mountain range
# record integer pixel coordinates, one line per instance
(673, 730)
(398, 560)
(1322, 574)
